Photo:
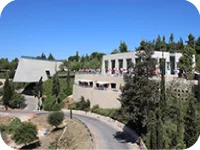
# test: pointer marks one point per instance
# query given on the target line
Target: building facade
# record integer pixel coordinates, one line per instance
(124, 60)
(104, 89)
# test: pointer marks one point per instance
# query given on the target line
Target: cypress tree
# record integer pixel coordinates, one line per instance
(56, 86)
(7, 93)
(51, 57)
(190, 134)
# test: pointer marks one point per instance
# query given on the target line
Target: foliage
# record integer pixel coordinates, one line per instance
(56, 118)
(51, 57)
(112, 113)
(92, 61)
(191, 134)
(83, 105)
(15, 124)
(185, 62)
(17, 100)
(25, 133)
(1, 83)
(123, 47)
(197, 46)
(139, 96)
(191, 41)
(115, 51)
(7, 93)
(56, 86)
(50, 104)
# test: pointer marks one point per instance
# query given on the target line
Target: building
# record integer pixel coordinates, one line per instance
(104, 89)
(123, 60)
(31, 69)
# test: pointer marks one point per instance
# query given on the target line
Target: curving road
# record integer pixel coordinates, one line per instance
(105, 134)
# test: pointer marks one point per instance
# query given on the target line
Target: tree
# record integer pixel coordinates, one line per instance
(7, 93)
(197, 46)
(139, 97)
(123, 47)
(180, 45)
(56, 118)
(51, 57)
(38, 91)
(142, 46)
(56, 86)
(115, 51)
(77, 57)
(43, 56)
(25, 133)
(190, 41)
(186, 61)
(171, 39)
(158, 43)
(190, 134)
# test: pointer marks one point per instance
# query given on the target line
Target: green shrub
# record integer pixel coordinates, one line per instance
(25, 133)
(50, 104)
(16, 123)
(17, 100)
(72, 106)
(4, 129)
(112, 113)
(56, 118)
(83, 105)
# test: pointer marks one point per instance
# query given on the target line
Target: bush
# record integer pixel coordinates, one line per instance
(50, 104)
(25, 133)
(83, 105)
(16, 123)
(17, 100)
(56, 118)
(112, 113)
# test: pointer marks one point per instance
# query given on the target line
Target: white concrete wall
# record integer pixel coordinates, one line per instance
(105, 99)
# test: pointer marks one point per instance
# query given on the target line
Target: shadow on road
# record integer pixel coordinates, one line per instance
(123, 137)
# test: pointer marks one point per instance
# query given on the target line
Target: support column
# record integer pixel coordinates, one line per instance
(116, 63)
(125, 64)
(109, 64)
(103, 67)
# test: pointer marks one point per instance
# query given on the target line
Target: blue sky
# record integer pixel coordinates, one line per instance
(61, 27)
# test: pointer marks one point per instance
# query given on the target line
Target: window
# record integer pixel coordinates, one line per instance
(113, 85)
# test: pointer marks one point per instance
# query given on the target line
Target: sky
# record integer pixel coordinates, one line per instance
(62, 27)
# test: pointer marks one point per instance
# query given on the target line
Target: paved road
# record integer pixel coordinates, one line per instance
(31, 103)
(105, 134)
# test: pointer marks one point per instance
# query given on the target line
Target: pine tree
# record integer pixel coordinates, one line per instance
(190, 41)
(43, 56)
(51, 57)
(180, 45)
(158, 43)
(186, 61)
(56, 87)
(197, 46)
(190, 134)
(139, 95)
(123, 47)
(171, 39)
(7, 93)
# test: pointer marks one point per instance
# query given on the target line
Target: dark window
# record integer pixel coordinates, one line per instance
(113, 85)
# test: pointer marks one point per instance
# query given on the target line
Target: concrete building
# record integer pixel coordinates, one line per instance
(31, 69)
(123, 60)
(104, 89)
